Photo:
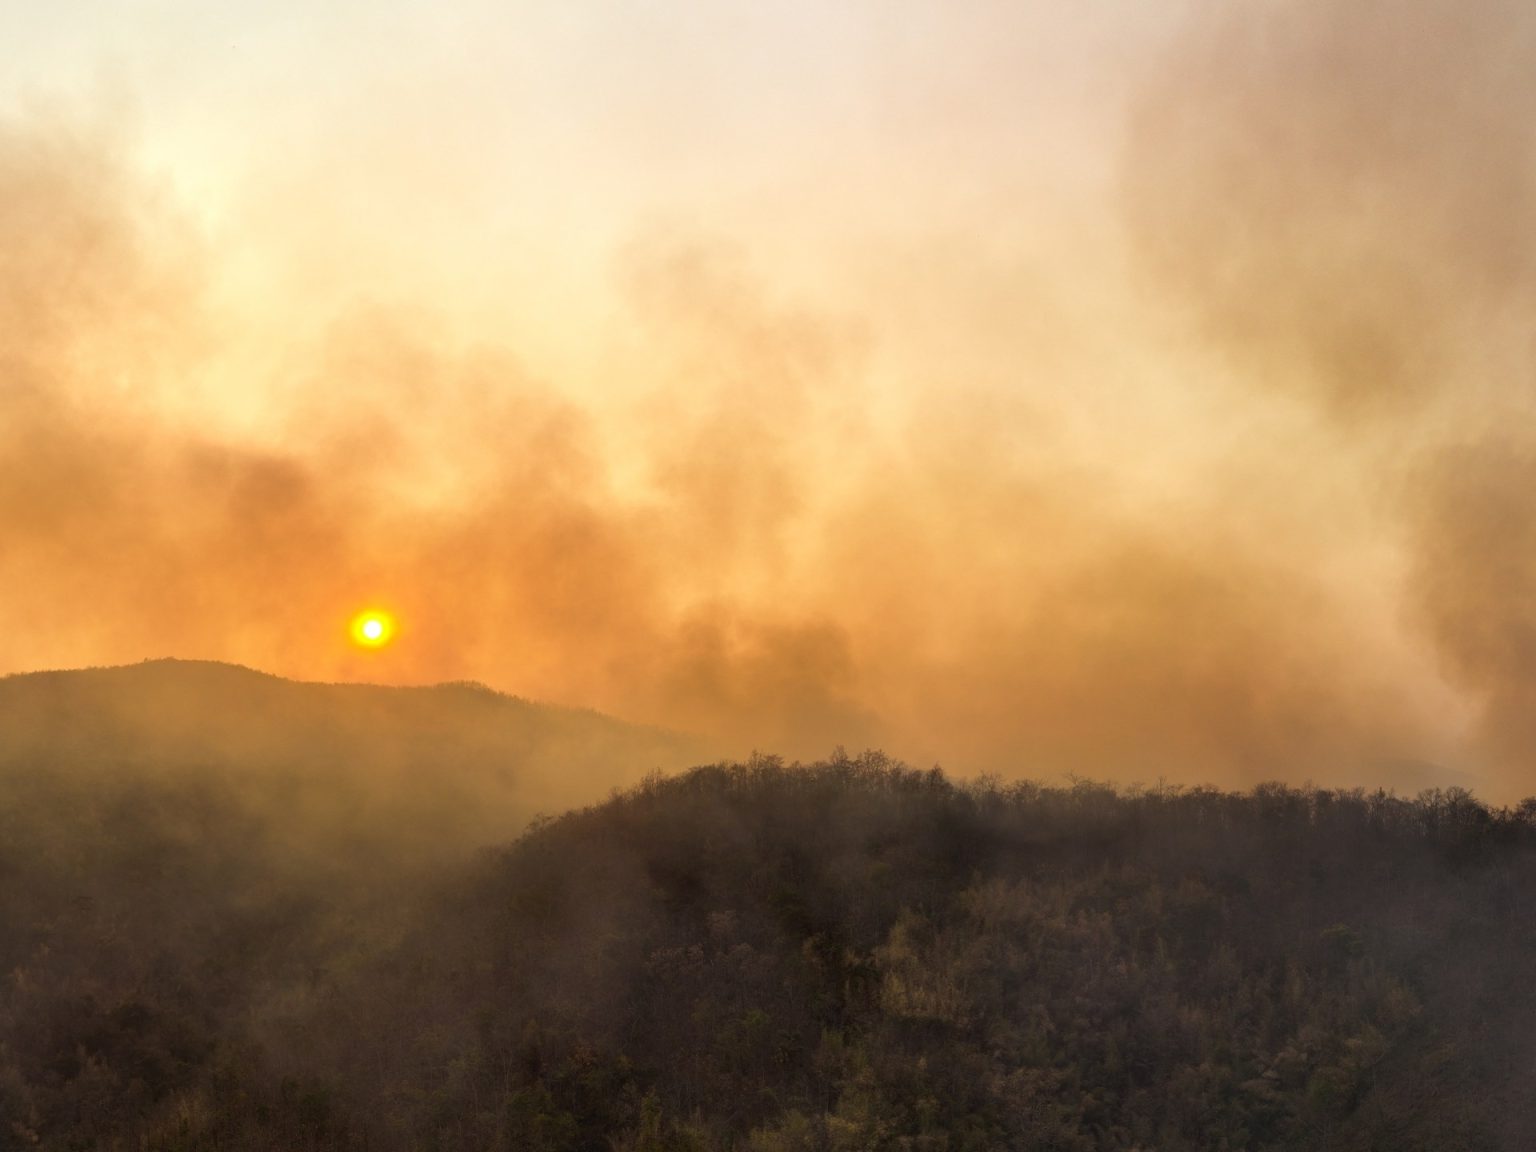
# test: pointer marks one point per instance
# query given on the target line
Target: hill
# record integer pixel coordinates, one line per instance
(396, 773)
(851, 955)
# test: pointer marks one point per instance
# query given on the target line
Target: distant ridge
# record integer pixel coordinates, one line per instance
(175, 666)
(459, 760)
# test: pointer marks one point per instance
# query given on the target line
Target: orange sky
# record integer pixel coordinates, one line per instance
(1077, 389)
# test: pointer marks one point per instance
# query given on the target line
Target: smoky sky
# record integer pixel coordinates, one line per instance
(1227, 480)
(1342, 198)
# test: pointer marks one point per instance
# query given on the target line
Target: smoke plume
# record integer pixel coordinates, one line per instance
(1234, 515)
(1342, 196)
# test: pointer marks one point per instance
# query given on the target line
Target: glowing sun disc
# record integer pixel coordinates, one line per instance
(373, 629)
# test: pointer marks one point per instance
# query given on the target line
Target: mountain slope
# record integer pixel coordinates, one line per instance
(846, 956)
(427, 770)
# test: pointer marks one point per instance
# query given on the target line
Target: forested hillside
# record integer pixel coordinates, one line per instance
(851, 955)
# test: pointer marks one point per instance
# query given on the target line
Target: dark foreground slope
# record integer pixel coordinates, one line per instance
(850, 956)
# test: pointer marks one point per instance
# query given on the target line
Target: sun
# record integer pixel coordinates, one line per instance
(373, 628)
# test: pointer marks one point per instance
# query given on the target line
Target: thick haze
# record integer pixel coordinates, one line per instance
(1035, 388)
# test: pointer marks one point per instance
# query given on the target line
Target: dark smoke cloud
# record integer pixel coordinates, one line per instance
(1473, 533)
(1344, 196)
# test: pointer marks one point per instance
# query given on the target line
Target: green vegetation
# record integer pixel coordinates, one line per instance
(851, 955)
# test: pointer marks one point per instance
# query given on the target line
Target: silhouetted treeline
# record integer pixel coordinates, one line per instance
(850, 955)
